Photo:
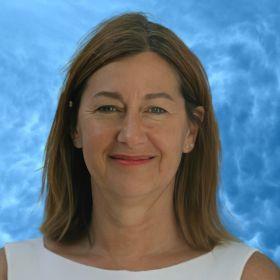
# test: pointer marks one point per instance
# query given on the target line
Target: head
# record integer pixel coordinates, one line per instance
(132, 57)
(133, 125)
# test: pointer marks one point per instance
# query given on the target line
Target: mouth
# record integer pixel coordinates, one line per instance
(132, 162)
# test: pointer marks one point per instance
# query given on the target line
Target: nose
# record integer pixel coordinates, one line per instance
(132, 131)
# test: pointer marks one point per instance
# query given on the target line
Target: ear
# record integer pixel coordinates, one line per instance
(192, 131)
(76, 138)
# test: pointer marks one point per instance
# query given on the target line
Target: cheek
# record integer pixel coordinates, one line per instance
(95, 133)
(170, 138)
(172, 145)
(95, 140)
(169, 142)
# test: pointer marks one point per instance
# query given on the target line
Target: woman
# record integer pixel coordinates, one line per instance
(132, 168)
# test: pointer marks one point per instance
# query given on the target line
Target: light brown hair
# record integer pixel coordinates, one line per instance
(66, 180)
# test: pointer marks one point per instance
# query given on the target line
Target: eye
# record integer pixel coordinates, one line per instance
(111, 108)
(159, 111)
(106, 107)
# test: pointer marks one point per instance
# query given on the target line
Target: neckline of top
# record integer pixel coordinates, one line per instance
(169, 267)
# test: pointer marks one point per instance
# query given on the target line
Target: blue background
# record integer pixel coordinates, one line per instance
(238, 42)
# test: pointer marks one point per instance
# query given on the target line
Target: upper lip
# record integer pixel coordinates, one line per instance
(131, 157)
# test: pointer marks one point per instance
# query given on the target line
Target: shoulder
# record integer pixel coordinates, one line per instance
(3, 265)
(259, 267)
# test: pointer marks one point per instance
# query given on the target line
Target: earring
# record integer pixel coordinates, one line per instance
(191, 145)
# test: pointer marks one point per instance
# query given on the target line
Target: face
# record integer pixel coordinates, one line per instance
(133, 124)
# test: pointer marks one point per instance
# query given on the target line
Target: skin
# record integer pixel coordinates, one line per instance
(132, 205)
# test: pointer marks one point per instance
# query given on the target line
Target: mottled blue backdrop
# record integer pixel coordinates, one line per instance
(237, 41)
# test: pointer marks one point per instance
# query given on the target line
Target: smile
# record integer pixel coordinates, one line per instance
(131, 162)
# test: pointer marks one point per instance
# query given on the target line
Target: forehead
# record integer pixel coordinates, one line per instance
(144, 72)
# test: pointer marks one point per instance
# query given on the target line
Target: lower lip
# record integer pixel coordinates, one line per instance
(132, 162)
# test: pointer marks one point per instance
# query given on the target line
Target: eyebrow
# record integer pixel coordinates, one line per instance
(118, 96)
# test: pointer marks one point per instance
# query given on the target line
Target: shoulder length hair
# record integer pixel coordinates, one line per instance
(66, 180)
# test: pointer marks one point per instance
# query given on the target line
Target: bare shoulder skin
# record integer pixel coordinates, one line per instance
(3, 265)
(260, 267)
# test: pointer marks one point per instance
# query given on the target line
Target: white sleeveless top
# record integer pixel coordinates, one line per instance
(30, 260)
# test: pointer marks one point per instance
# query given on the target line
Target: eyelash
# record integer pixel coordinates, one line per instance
(111, 106)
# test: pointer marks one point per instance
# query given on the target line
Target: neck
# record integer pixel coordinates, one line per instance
(127, 230)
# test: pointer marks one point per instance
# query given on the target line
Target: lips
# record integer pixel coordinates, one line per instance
(127, 157)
